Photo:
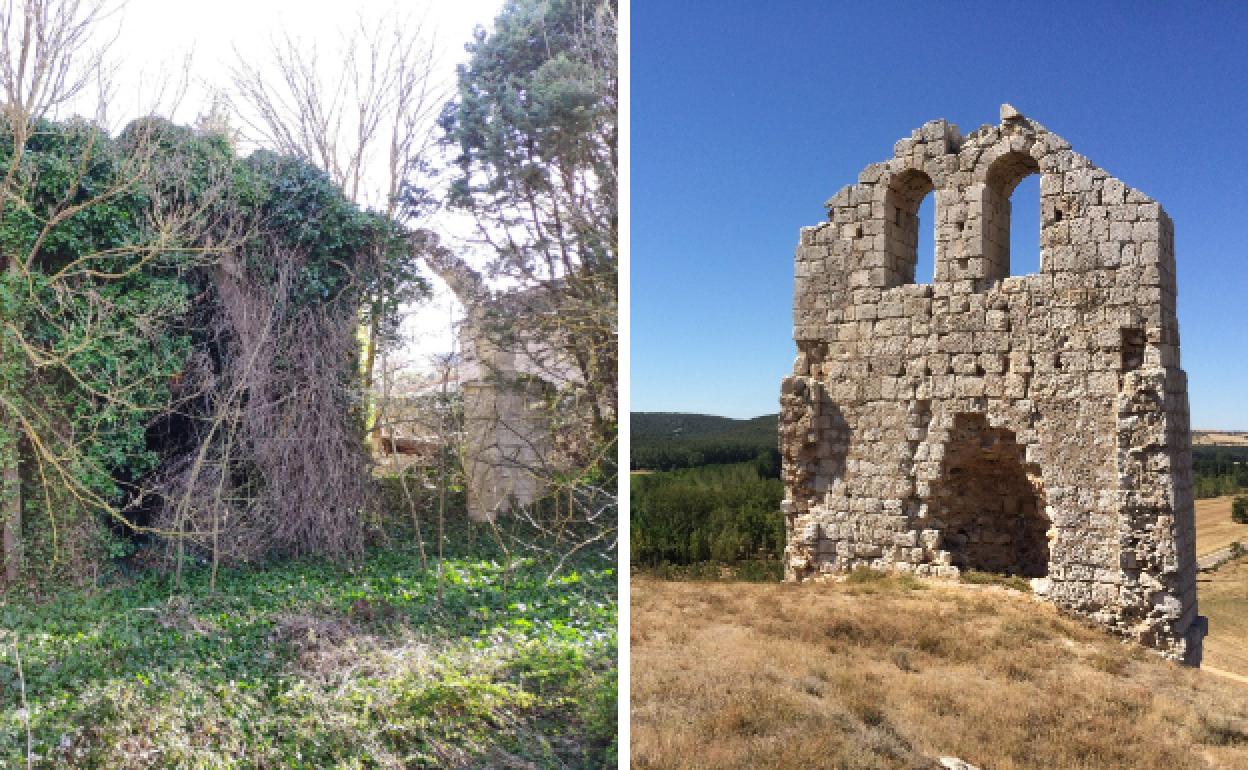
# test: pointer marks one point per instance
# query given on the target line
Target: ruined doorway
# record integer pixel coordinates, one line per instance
(988, 502)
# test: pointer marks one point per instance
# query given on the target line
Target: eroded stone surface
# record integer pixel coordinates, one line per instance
(1033, 425)
(507, 429)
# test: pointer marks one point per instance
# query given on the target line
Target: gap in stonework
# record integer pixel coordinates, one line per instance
(1025, 227)
(925, 258)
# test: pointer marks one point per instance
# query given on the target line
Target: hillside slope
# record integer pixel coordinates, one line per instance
(1215, 529)
(682, 425)
(669, 440)
(1223, 598)
(1227, 438)
(895, 673)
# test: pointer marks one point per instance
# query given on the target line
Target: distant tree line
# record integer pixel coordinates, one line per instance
(723, 513)
(671, 454)
(717, 499)
(1219, 470)
(664, 441)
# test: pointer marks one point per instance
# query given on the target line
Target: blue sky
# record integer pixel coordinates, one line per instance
(746, 116)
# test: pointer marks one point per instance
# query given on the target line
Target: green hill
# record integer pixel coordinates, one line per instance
(682, 425)
(668, 440)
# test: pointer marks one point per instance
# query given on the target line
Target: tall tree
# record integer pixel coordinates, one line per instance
(535, 124)
(534, 128)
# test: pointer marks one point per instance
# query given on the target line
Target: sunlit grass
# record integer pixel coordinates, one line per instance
(887, 671)
(310, 664)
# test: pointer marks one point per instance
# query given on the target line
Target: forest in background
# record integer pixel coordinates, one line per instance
(1219, 470)
(664, 441)
(706, 490)
(705, 495)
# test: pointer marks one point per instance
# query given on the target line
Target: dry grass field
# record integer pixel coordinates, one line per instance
(1214, 528)
(1219, 438)
(894, 673)
(1223, 597)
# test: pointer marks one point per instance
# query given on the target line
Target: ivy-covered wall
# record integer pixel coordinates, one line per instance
(115, 255)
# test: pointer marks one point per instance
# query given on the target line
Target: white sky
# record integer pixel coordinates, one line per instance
(155, 37)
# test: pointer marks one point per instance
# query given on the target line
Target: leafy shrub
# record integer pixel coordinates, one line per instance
(1239, 510)
(759, 570)
(114, 309)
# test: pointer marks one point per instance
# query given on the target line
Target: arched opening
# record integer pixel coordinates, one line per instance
(925, 256)
(1025, 226)
(906, 193)
(988, 502)
(1002, 180)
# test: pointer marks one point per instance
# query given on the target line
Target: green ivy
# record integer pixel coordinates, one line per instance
(111, 317)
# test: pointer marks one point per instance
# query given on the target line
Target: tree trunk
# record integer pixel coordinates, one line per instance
(11, 508)
(370, 367)
(10, 468)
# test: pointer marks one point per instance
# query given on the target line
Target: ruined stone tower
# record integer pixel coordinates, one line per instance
(1033, 425)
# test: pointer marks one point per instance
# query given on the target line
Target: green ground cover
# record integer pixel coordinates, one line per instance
(310, 664)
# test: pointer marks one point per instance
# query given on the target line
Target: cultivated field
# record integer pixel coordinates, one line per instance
(1223, 598)
(1219, 438)
(895, 672)
(1214, 528)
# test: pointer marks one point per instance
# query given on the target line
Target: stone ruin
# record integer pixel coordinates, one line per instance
(1031, 425)
(507, 431)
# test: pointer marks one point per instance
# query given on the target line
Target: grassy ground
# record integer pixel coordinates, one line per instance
(1223, 597)
(1214, 528)
(895, 672)
(311, 665)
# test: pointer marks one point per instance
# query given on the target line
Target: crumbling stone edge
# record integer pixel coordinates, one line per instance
(1034, 425)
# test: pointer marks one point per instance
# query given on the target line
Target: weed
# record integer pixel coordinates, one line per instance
(847, 630)
(932, 643)
(861, 575)
(1220, 731)
(1026, 629)
(975, 577)
(1016, 672)
(908, 582)
(751, 714)
(812, 686)
(867, 709)
(865, 580)
(901, 659)
(747, 570)
(1109, 664)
